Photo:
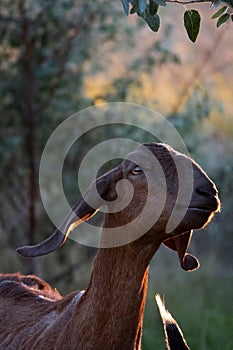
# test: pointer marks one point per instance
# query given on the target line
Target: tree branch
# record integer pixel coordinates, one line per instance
(188, 2)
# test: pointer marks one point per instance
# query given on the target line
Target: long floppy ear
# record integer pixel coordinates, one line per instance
(81, 211)
(180, 244)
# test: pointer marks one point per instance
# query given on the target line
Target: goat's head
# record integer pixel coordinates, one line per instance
(155, 194)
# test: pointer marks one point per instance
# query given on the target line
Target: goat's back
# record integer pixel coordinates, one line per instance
(29, 309)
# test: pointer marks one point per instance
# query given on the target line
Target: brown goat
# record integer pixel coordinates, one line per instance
(109, 314)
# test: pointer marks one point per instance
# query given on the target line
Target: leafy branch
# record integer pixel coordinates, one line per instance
(148, 11)
(187, 2)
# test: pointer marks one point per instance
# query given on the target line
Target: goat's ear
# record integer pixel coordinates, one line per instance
(180, 244)
(58, 238)
(81, 212)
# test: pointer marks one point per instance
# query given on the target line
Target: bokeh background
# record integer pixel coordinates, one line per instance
(58, 57)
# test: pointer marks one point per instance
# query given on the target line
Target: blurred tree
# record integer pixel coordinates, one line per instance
(36, 63)
(44, 50)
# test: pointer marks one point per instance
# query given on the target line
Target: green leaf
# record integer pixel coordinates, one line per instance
(192, 21)
(223, 19)
(125, 4)
(160, 2)
(219, 12)
(229, 2)
(153, 7)
(142, 4)
(135, 7)
(153, 21)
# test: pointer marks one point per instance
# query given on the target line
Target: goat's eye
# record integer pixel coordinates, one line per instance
(136, 171)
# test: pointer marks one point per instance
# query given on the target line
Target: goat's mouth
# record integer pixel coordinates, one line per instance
(199, 213)
(209, 208)
(201, 210)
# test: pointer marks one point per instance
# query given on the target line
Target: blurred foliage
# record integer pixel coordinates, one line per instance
(42, 48)
(48, 50)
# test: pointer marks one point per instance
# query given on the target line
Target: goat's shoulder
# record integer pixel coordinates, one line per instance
(18, 286)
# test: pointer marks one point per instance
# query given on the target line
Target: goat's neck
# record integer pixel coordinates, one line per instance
(115, 298)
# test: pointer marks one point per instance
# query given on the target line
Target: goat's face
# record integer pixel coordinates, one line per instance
(156, 191)
(174, 192)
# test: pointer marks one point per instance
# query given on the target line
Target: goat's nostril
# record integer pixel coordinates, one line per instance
(206, 192)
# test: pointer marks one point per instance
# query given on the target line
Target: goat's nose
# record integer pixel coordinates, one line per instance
(209, 191)
(206, 196)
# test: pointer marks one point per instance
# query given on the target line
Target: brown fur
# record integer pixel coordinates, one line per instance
(109, 315)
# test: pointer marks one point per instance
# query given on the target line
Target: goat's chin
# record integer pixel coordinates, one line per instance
(196, 218)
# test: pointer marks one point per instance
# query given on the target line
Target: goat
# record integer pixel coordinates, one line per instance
(109, 314)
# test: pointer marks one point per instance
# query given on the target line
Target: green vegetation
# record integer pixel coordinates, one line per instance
(199, 301)
(148, 11)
